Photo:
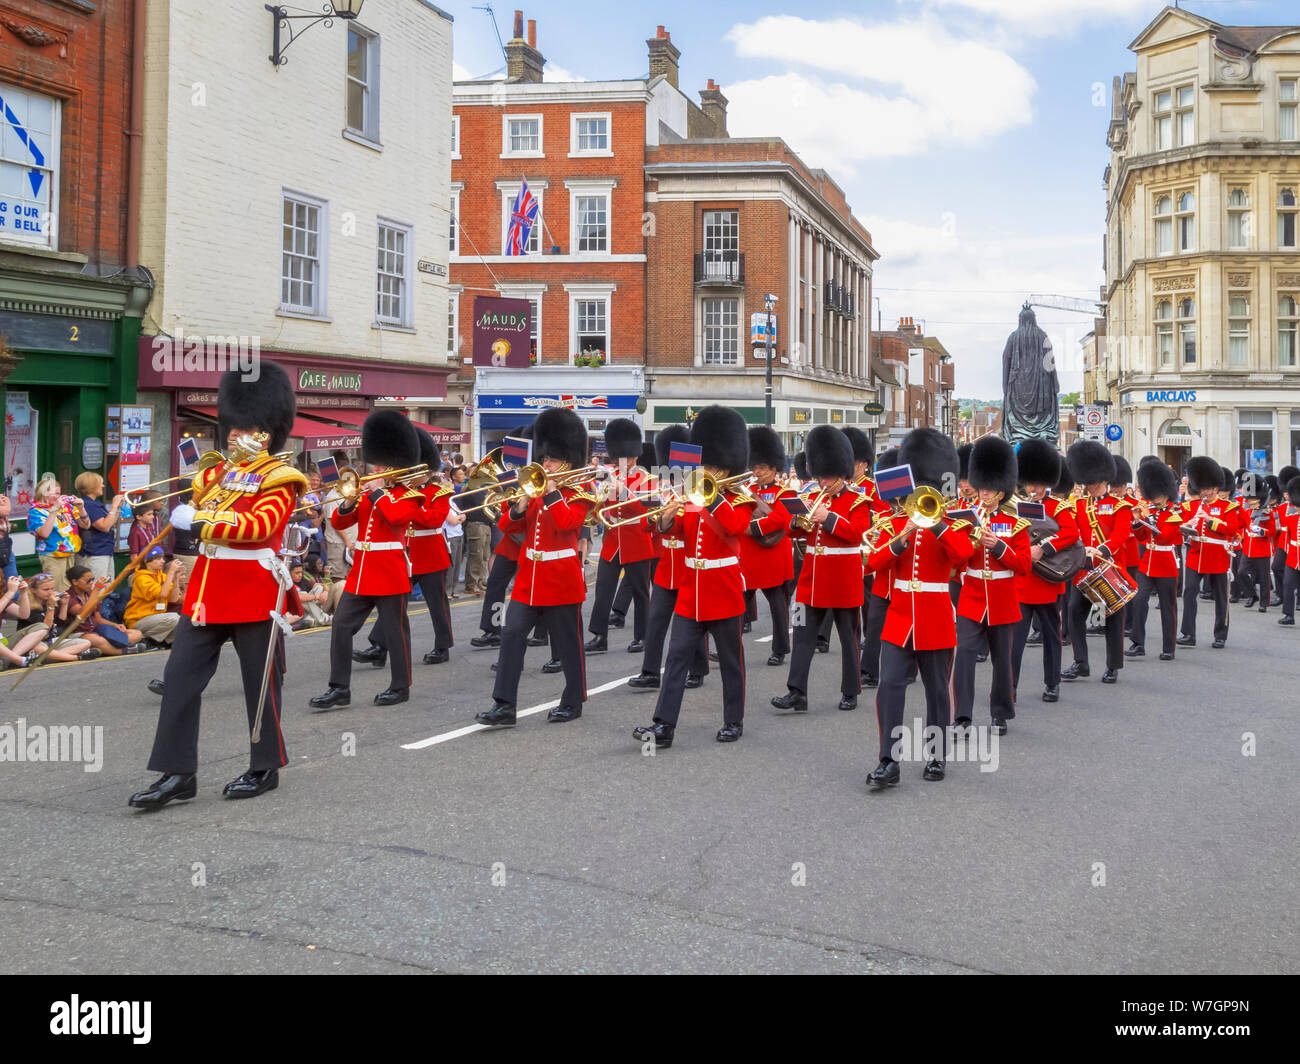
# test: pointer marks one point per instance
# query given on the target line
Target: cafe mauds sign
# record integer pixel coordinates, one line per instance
(327, 381)
(502, 328)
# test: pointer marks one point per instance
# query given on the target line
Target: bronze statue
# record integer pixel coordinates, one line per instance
(1030, 390)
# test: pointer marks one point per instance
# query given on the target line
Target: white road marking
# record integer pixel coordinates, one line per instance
(434, 740)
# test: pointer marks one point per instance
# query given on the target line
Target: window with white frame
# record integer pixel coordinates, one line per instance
(1164, 225)
(591, 325)
(534, 243)
(455, 136)
(721, 320)
(589, 134)
(1238, 218)
(1185, 222)
(302, 258)
(1289, 99)
(1174, 115)
(1187, 330)
(29, 167)
(392, 278)
(1165, 333)
(1255, 433)
(1286, 218)
(1287, 322)
(455, 216)
(363, 83)
(522, 135)
(591, 223)
(453, 324)
(1239, 330)
(535, 328)
(721, 244)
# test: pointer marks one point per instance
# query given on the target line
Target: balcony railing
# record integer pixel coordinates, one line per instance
(838, 300)
(719, 268)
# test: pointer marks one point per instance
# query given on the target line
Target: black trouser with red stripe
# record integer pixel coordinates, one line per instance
(190, 665)
(1218, 583)
(896, 664)
(972, 638)
(393, 627)
(1165, 588)
(1048, 615)
(1080, 607)
(564, 626)
(1279, 571)
(1290, 590)
(434, 588)
(683, 644)
(846, 620)
(779, 608)
(1254, 579)
(877, 610)
(637, 576)
(663, 604)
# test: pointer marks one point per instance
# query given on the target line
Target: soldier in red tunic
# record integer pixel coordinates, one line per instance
(921, 624)
(1289, 524)
(1209, 524)
(380, 577)
(712, 597)
(766, 557)
(1158, 525)
(831, 581)
(1256, 541)
(240, 508)
(549, 586)
(878, 584)
(1278, 502)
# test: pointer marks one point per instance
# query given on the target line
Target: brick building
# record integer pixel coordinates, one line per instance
(915, 375)
(71, 296)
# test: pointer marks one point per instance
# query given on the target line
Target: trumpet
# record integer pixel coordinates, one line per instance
(532, 484)
(924, 507)
(804, 521)
(699, 489)
(350, 481)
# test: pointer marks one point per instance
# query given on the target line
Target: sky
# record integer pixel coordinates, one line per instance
(969, 135)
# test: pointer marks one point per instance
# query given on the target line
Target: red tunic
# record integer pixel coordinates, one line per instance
(1213, 525)
(1032, 588)
(832, 574)
(425, 542)
(550, 572)
(628, 543)
(380, 565)
(232, 582)
(1130, 551)
(920, 604)
(1105, 522)
(988, 589)
(1290, 525)
(1161, 556)
(712, 587)
(671, 570)
(774, 565)
(1257, 533)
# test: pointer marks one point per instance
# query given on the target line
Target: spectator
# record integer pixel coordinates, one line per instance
(478, 546)
(154, 591)
(35, 607)
(185, 545)
(8, 563)
(313, 595)
(100, 540)
(322, 572)
(454, 534)
(108, 638)
(145, 525)
(55, 524)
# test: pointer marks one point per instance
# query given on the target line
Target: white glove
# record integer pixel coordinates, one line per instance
(183, 516)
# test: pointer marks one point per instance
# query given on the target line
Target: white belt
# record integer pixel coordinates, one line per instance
(673, 544)
(921, 585)
(835, 550)
(235, 554)
(365, 545)
(1163, 547)
(416, 533)
(549, 555)
(711, 563)
(990, 574)
(1209, 539)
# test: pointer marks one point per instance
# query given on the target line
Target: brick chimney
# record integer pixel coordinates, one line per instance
(663, 56)
(714, 106)
(523, 61)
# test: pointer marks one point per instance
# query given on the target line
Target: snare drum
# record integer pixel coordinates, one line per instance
(1108, 586)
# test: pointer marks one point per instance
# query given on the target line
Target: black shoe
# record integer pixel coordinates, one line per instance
(1252, 601)
(1135, 651)
(693, 681)
(501, 715)
(377, 656)
(1276, 600)
(884, 774)
(173, 787)
(1110, 676)
(645, 681)
(933, 770)
(597, 644)
(335, 696)
(870, 681)
(729, 733)
(617, 620)
(791, 700)
(847, 703)
(960, 726)
(1288, 621)
(251, 783)
(156, 687)
(536, 641)
(999, 726)
(823, 645)
(1075, 671)
(1051, 694)
(487, 639)
(1263, 609)
(776, 659)
(746, 628)
(1207, 596)
(1219, 644)
(1034, 639)
(1096, 629)
(981, 658)
(1234, 598)
(560, 714)
(637, 646)
(393, 696)
(553, 666)
(91, 653)
(1186, 640)
(437, 657)
(494, 666)
(713, 655)
(136, 649)
(662, 734)
(1166, 655)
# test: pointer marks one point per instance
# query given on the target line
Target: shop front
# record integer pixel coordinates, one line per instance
(792, 420)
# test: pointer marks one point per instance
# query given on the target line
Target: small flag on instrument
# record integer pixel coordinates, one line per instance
(516, 451)
(1031, 511)
(510, 476)
(794, 504)
(328, 469)
(684, 455)
(963, 515)
(895, 483)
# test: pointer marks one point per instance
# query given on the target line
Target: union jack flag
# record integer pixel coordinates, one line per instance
(522, 217)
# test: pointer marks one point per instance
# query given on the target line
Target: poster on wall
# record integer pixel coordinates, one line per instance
(20, 452)
(128, 435)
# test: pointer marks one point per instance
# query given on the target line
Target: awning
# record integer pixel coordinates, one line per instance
(313, 435)
(358, 418)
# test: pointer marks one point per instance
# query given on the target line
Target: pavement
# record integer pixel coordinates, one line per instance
(1138, 828)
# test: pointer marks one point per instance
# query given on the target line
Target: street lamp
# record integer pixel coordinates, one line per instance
(769, 304)
(332, 9)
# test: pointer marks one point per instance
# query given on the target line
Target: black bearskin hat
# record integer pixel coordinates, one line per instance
(933, 459)
(993, 466)
(720, 432)
(648, 456)
(665, 438)
(1285, 475)
(766, 448)
(1156, 481)
(887, 460)
(429, 453)
(830, 454)
(1066, 484)
(1203, 472)
(1090, 463)
(963, 460)
(801, 466)
(264, 405)
(623, 438)
(1230, 482)
(1253, 486)
(1293, 491)
(388, 439)
(1123, 471)
(862, 449)
(1273, 490)
(1039, 462)
(561, 435)
(1149, 458)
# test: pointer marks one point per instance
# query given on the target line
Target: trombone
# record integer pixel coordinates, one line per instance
(698, 489)
(208, 460)
(349, 484)
(532, 484)
(924, 507)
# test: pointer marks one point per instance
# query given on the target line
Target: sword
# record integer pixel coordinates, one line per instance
(294, 547)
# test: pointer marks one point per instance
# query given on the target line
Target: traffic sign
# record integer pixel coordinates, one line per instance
(1113, 433)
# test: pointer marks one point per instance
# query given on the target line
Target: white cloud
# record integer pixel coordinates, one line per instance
(1048, 16)
(550, 72)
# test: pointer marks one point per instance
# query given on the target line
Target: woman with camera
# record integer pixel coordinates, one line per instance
(38, 609)
(56, 521)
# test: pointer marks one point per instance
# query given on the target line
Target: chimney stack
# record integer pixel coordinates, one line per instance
(663, 56)
(523, 61)
(714, 106)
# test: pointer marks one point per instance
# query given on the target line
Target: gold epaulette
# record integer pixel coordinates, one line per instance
(443, 489)
(859, 501)
(1121, 503)
(405, 491)
(281, 474)
(1231, 505)
(960, 524)
(1021, 525)
(583, 496)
